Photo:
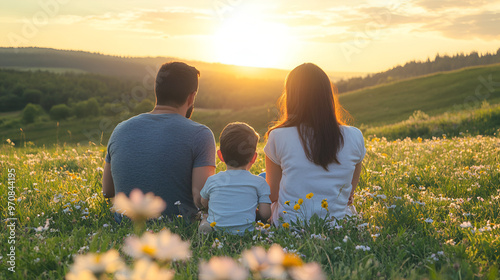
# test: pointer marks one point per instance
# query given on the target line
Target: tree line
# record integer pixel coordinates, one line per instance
(419, 68)
(62, 95)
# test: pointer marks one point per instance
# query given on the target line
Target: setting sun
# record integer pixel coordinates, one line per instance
(248, 41)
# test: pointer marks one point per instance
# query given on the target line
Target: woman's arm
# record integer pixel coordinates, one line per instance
(355, 181)
(273, 178)
(108, 186)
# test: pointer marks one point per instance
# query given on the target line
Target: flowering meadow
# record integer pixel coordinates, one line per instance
(426, 209)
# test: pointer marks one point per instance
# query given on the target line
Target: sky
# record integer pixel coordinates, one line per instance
(338, 35)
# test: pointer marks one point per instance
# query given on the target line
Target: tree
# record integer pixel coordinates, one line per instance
(30, 112)
(10, 102)
(93, 107)
(145, 105)
(60, 112)
(87, 108)
(32, 96)
(80, 109)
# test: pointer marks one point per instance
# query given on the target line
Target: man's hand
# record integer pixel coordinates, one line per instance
(108, 186)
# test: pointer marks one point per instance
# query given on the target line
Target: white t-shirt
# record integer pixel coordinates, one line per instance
(233, 196)
(301, 176)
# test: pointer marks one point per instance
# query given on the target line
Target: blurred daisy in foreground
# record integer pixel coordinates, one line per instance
(309, 271)
(222, 268)
(93, 266)
(139, 207)
(163, 246)
(466, 225)
(145, 269)
(278, 264)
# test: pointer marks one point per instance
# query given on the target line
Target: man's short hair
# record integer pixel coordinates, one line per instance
(175, 81)
(238, 142)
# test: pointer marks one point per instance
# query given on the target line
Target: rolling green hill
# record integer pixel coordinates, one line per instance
(433, 94)
(447, 92)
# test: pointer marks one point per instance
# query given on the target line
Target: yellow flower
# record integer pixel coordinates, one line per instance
(296, 207)
(292, 260)
(212, 224)
(324, 204)
(287, 202)
(309, 195)
(284, 212)
(260, 224)
(286, 225)
(300, 201)
(148, 250)
(419, 140)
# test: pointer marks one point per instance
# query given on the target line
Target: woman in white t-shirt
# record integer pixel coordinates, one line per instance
(310, 151)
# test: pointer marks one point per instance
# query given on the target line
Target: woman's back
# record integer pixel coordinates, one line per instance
(300, 176)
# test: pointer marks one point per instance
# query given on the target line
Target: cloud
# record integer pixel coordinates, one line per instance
(166, 23)
(178, 22)
(468, 20)
(482, 25)
(438, 5)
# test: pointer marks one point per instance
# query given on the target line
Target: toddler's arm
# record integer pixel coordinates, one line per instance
(265, 211)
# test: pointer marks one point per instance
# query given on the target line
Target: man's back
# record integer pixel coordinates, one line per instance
(157, 153)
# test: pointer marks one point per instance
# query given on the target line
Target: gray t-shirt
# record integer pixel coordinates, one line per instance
(157, 153)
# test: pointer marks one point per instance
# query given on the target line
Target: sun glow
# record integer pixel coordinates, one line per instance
(251, 42)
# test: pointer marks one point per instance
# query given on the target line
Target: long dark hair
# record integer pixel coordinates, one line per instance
(308, 103)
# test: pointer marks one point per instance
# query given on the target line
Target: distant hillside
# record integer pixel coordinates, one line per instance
(108, 78)
(432, 94)
(449, 93)
(419, 68)
(132, 67)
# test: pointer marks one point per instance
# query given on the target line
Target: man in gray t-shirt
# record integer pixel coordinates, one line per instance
(163, 151)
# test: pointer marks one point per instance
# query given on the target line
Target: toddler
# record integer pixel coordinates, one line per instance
(232, 196)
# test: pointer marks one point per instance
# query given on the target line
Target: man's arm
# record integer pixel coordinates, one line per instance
(204, 202)
(355, 181)
(273, 178)
(108, 187)
(200, 175)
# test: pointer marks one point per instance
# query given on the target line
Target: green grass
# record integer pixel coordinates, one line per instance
(482, 121)
(434, 94)
(404, 184)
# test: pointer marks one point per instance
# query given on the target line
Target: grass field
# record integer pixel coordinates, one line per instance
(481, 121)
(428, 209)
(434, 94)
